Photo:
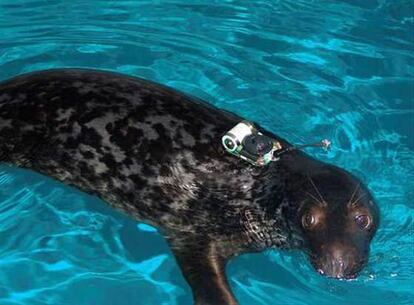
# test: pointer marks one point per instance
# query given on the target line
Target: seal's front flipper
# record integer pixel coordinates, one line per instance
(204, 269)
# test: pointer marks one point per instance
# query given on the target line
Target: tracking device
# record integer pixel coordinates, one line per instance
(249, 144)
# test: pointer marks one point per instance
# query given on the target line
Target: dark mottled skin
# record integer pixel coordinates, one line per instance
(156, 154)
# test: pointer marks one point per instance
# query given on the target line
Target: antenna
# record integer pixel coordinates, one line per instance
(325, 144)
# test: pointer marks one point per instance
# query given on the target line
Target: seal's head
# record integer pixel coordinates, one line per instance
(338, 218)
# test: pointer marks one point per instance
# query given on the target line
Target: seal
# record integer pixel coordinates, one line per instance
(156, 154)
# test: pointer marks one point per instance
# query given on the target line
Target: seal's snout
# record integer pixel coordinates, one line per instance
(339, 263)
(338, 266)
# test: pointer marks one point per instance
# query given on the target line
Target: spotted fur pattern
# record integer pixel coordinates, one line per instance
(156, 154)
(143, 148)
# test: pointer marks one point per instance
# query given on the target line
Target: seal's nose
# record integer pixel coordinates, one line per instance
(339, 261)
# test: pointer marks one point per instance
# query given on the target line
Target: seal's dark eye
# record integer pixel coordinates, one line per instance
(363, 221)
(308, 220)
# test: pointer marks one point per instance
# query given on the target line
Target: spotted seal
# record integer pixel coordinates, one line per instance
(156, 154)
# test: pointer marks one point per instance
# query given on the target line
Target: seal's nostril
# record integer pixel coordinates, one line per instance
(340, 265)
(340, 262)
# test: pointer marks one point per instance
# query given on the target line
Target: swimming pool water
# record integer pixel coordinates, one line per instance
(306, 70)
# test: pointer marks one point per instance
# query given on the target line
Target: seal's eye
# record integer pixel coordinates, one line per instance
(308, 220)
(363, 221)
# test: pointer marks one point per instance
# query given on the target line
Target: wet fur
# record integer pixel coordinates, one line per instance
(156, 154)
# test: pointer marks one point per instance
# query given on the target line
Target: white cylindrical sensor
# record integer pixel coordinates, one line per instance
(233, 138)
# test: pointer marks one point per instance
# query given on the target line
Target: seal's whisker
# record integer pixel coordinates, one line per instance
(317, 190)
(316, 199)
(353, 194)
(356, 200)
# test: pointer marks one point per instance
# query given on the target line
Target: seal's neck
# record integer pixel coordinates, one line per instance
(273, 222)
(276, 229)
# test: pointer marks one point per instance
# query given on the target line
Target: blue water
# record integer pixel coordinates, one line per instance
(306, 70)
